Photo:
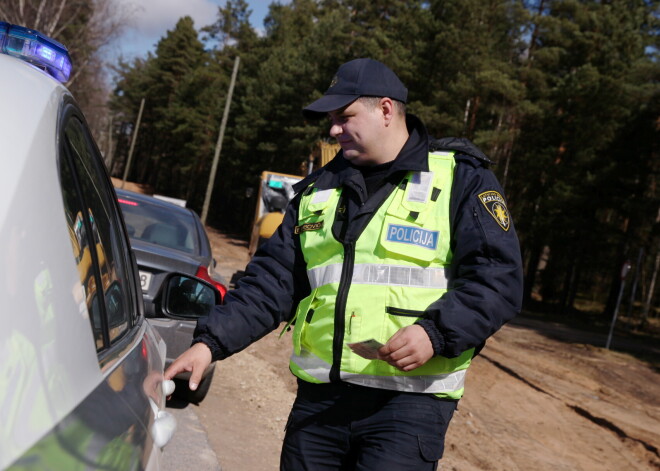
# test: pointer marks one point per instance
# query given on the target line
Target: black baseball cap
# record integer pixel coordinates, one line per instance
(356, 78)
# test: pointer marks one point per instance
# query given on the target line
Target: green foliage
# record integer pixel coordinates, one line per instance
(587, 61)
(563, 94)
(182, 88)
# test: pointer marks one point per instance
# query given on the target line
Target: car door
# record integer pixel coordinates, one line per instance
(127, 348)
(114, 426)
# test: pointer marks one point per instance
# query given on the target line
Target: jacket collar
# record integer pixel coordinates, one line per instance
(412, 157)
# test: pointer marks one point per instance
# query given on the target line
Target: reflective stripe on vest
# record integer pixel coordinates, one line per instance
(378, 274)
(430, 384)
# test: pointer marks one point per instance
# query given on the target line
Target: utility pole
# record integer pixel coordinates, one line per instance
(130, 151)
(633, 291)
(218, 145)
(625, 268)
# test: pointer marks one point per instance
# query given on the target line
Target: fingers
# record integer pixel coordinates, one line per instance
(177, 367)
(195, 360)
(404, 359)
(407, 349)
(396, 342)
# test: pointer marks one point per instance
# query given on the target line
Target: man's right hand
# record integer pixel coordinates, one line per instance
(196, 359)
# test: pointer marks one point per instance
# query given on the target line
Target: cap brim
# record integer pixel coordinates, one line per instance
(327, 103)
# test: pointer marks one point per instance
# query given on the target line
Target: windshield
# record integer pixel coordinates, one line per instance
(160, 226)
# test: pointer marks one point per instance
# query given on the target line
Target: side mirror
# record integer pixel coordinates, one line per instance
(187, 297)
(114, 305)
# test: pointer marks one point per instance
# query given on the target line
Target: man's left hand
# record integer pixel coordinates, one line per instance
(408, 349)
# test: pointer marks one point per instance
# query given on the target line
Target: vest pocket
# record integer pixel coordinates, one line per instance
(397, 311)
(405, 237)
(398, 318)
(304, 309)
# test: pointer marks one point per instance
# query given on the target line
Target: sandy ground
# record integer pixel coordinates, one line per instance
(539, 397)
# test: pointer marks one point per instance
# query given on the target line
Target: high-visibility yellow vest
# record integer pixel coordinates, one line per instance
(400, 266)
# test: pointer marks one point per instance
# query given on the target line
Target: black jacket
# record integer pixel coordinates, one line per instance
(486, 273)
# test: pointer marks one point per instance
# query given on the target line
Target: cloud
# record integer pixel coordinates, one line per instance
(149, 21)
(155, 17)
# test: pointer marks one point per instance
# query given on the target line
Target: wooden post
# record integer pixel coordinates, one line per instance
(218, 146)
(130, 151)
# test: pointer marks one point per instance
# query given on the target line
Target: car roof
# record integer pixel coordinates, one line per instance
(147, 199)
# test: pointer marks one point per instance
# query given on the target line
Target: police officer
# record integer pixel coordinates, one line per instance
(393, 265)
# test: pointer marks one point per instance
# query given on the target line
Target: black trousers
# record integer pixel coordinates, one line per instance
(339, 426)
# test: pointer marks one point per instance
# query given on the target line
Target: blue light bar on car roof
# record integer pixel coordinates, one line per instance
(3, 33)
(37, 49)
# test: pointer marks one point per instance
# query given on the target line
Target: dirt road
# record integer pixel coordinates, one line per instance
(539, 397)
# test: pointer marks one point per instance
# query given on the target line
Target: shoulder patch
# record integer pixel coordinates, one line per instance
(496, 207)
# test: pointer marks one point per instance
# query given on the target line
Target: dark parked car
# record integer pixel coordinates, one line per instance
(166, 238)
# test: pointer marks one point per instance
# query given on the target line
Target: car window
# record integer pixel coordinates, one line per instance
(160, 226)
(82, 250)
(96, 237)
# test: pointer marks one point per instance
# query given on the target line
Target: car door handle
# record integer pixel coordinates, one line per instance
(164, 424)
(168, 387)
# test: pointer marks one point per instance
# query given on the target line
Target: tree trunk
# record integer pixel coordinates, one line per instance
(567, 288)
(473, 117)
(633, 290)
(649, 297)
(575, 285)
(531, 272)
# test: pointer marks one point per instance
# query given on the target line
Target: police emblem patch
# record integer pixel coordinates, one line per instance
(496, 207)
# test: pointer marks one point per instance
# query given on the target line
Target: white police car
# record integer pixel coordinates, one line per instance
(81, 383)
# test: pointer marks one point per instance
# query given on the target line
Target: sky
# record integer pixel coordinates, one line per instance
(153, 18)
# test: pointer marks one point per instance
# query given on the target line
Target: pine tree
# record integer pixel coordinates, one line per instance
(585, 57)
(182, 90)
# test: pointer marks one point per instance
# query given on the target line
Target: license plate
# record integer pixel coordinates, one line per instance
(145, 280)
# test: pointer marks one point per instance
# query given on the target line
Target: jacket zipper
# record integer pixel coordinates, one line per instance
(340, 308)
(345, 285)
